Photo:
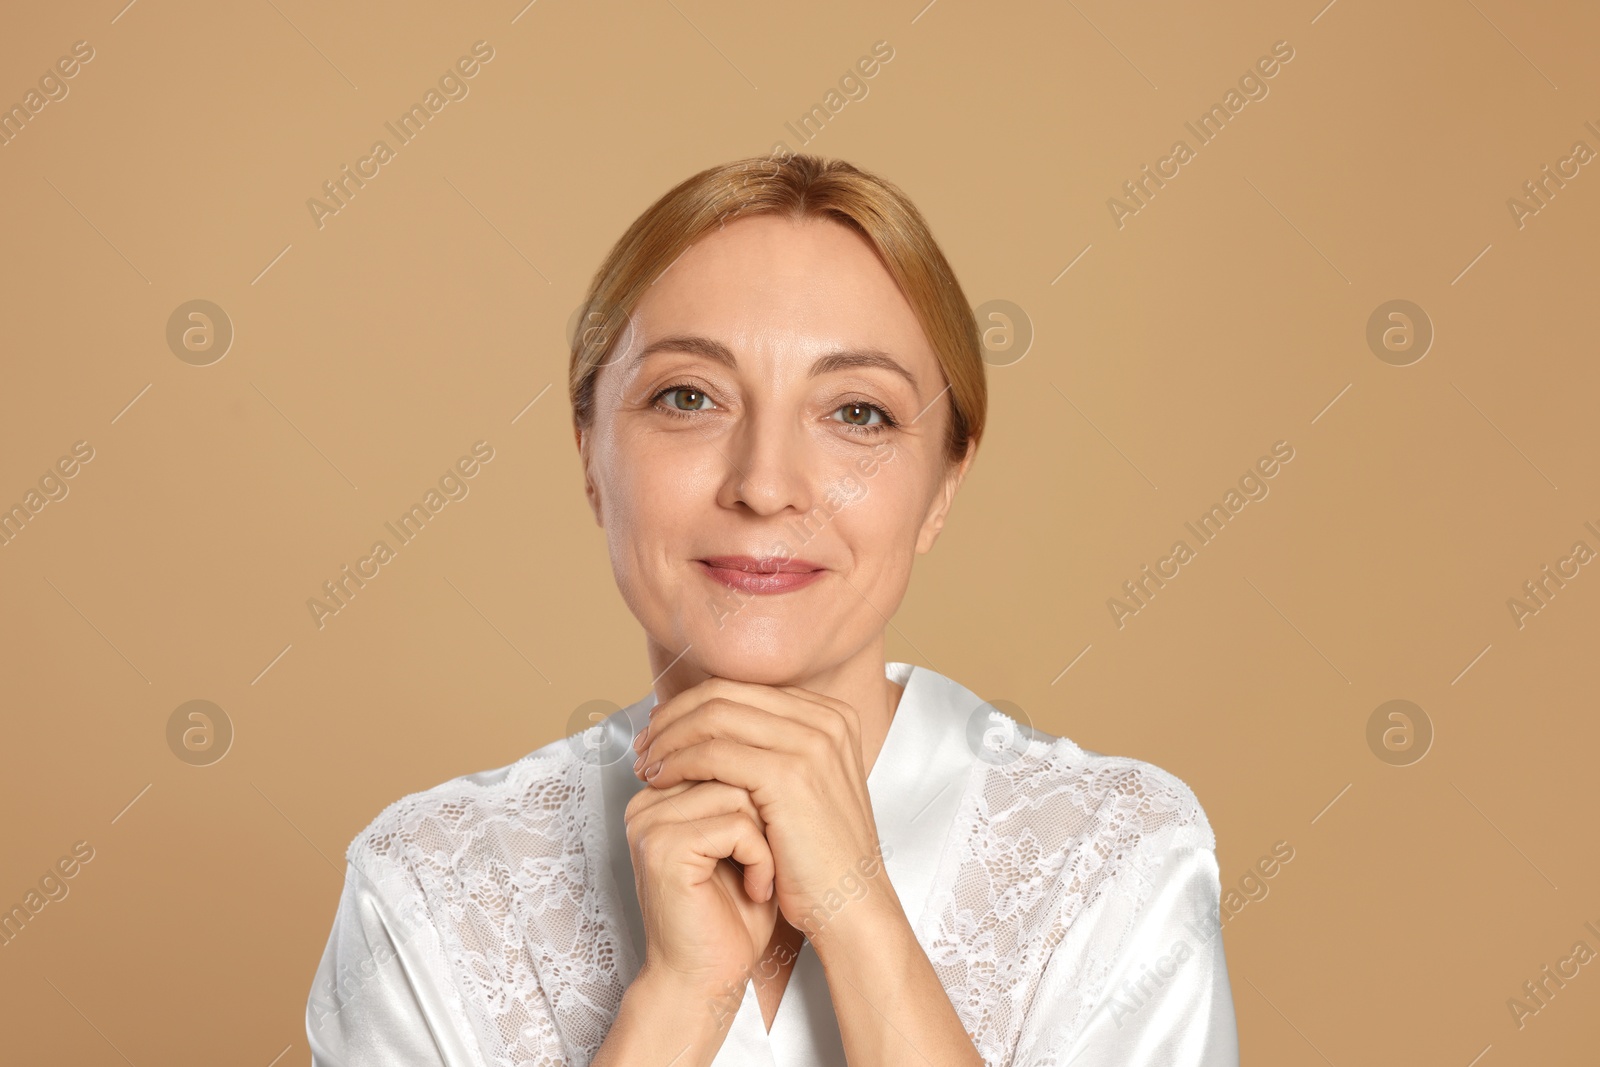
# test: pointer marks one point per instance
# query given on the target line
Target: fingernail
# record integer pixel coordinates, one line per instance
(638, 739)
(652, 770)
(637, 760)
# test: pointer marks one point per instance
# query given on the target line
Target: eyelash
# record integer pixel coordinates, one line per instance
(889, 421)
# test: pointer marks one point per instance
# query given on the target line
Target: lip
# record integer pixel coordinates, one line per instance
(758, 576)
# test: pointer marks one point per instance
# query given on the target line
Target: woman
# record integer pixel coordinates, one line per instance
(790, 851)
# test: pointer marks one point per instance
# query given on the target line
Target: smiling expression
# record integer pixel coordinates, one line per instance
(768, 456)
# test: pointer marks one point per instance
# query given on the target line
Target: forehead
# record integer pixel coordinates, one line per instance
(771, 284)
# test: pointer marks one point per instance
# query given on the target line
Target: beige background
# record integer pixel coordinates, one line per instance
(1229, 313)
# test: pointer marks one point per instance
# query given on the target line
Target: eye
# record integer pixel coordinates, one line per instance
(864, 416)
(684, 398)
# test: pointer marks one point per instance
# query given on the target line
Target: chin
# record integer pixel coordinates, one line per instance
(762, 654)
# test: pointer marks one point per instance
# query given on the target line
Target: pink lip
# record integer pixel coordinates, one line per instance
(749, 574)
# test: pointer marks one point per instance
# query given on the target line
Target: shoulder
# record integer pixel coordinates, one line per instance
(1092, 797)
(1070, 842)
(539, 795)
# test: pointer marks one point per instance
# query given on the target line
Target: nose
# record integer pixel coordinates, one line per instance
(769, 465)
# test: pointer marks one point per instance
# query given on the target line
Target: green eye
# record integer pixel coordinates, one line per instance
(861, 415)
(685, 398)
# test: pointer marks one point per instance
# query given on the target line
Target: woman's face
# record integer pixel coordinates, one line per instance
(767, 455)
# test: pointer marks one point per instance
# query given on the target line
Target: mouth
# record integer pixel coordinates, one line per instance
(760, 575)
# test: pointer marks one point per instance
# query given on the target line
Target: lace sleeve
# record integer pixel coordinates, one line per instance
(1137, 976)
(511, 955)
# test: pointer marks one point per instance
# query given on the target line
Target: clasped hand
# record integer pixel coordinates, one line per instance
(798, 755)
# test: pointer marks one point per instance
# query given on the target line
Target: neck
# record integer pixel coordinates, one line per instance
(858, 681)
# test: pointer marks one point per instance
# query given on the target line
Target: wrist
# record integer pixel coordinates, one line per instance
(696, 1006)
(661, 1014)
(869, 921)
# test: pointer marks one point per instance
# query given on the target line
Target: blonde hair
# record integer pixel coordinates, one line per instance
(798, 187)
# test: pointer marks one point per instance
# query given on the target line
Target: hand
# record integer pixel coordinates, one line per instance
(798, 756)
(705, 923)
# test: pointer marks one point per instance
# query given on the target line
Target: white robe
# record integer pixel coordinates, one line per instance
(1067, 900)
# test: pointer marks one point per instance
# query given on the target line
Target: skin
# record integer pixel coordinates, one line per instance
(770, 709)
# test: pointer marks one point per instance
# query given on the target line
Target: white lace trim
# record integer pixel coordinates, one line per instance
(1036, 844)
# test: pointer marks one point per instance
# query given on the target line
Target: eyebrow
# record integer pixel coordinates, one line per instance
(841, 359)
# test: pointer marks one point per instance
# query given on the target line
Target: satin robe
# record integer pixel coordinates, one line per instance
(453, 945)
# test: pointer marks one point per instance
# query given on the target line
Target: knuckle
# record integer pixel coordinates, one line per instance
(636, 830)
(638, 804)
(836, 727)
(731, 797)
(655, 845)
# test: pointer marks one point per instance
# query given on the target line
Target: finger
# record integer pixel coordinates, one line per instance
(734, 836)
(688, 801)
(835, 718)
(771, 698)
(815, 697)
(643, 800)
(754, 769)
(721, 717)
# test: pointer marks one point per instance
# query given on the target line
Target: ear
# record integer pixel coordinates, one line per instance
(934, 521)
(591, 489)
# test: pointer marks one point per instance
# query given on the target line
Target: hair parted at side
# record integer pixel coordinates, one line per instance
(799, 187)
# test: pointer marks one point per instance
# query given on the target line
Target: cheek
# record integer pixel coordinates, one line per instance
(652, 496)
(879, 521)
